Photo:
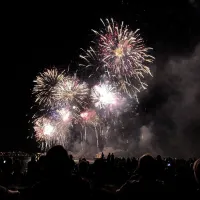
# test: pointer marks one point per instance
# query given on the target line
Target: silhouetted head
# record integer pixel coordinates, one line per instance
(196, 168)
(83, 168)
(71, 157)
(159, 158)
(147, 166)
(99, 166)
(84, 159)
(58, 162)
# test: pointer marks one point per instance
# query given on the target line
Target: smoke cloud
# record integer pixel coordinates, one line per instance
(172, 126)
(177, 120)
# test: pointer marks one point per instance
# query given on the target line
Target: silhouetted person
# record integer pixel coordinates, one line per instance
(160, 167)
(134, 163)
(6, 176)
(17, 176)
(146, 181)
(32, 170)
(108, 157)
(99, 173)
(72, 161)
(83, 169)
(112, 159)
(60, 184)
(41, 168)
(102, 155)
(32, 165)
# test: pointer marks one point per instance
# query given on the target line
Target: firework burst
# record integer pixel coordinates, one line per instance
(119, 59)
(45, 87)
(44, 129)
(122, 54)
(71, 91)
(90, 117)
(51, 132)
(104, 95)
(123, 51)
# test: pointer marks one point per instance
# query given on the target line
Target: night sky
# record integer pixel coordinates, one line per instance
(45, 35)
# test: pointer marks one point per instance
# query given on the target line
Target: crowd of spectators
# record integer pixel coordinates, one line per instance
(56, 176)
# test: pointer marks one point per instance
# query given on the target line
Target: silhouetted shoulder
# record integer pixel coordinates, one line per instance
(135, 186)
(3, 192)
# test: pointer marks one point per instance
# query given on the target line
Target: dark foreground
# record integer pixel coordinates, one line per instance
(57, 175)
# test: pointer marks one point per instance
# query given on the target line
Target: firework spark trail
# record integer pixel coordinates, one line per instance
(90, 118)
(44, 87)
(71, 91)
(89, 55)
(97, 136)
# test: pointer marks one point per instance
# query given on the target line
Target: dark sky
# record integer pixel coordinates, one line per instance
(38, 36)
